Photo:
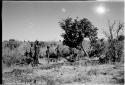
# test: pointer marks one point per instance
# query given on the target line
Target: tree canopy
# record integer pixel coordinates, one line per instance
(75, 30)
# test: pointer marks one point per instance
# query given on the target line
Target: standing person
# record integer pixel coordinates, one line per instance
(35, 56)
(48, 53)
(58, 52)
(32, 53)
(36, 48)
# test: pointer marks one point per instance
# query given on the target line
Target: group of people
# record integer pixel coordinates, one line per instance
(48, 54)
(33, 54)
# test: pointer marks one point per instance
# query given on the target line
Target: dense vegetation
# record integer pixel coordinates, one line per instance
(72, 48)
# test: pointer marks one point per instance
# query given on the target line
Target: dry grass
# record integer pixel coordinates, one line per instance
(62, 74)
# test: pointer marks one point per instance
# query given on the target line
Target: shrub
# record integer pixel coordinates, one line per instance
(10, 57)
(97, 48)
(16, 55)
(12, 44)
(115, 48)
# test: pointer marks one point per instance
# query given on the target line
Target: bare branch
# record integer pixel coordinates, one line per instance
(106, 34)
(120, 26)
(113, 24)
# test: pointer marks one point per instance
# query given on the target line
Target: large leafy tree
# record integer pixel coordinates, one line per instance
(75, 30)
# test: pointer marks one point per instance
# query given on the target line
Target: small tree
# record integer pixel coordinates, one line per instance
(115, 48)
(76, 30)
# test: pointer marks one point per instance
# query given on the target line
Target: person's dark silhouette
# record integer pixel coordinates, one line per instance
(48, 53)
(36, 53)
(58, 52)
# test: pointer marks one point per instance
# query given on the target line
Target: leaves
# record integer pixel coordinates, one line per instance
(75, 30)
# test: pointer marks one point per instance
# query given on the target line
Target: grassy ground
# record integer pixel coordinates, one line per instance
(65, 74)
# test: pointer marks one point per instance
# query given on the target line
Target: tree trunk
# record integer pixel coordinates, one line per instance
(84, 50)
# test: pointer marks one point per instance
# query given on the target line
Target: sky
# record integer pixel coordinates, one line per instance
(38, 20)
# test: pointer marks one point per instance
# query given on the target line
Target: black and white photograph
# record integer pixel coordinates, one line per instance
(63, 42)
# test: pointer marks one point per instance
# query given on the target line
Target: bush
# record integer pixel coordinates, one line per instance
(11, 57)
(12, 44)
(97, 48)
(16, 55)
(115, 50)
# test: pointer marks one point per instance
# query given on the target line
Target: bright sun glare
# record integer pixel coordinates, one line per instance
(100, 10)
